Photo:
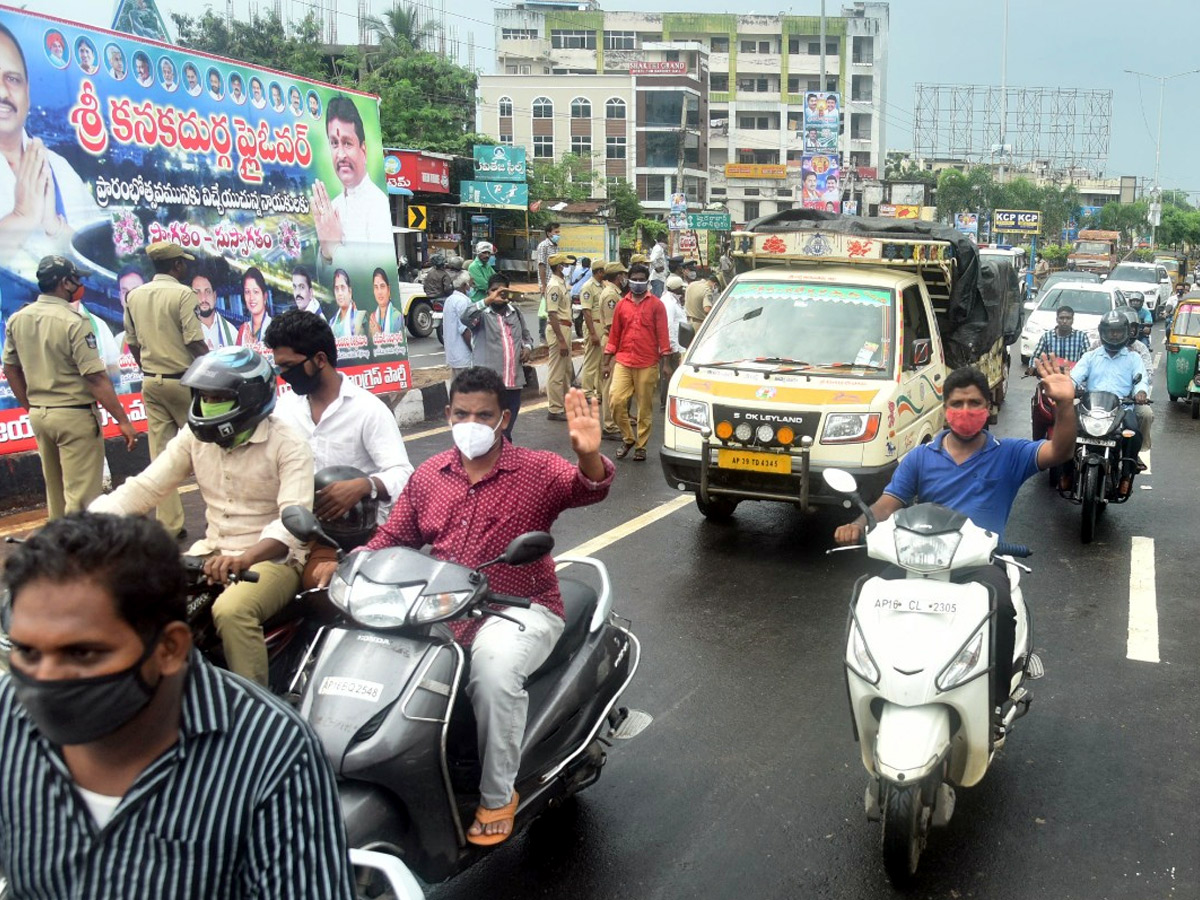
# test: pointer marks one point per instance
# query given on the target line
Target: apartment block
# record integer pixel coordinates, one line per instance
(735, 134)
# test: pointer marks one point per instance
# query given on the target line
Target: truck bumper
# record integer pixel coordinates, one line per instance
(804, 486)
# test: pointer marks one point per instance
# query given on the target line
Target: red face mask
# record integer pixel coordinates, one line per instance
(966, 423)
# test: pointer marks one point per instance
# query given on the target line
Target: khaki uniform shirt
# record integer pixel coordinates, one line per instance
(55, 347)
(609, 298)
(589, 299)
(697, 300)
(160, 318)
(244, 489)
(558, 301)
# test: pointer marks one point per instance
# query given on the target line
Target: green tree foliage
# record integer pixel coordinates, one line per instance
(400, 32)
(978, 189)
(626, 207)
(263, 40)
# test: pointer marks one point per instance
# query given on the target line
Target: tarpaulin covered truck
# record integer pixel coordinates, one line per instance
(830, 348)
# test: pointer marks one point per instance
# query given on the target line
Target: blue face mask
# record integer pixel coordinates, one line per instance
(554, 238)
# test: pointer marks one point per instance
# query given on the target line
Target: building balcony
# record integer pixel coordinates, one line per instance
(803, 64)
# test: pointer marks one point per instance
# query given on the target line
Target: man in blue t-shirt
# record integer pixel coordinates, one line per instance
(967, 469)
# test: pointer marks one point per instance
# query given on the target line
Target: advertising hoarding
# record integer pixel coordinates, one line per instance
(821, 183)
(498, 162)
(415, 171)
(1018, 221)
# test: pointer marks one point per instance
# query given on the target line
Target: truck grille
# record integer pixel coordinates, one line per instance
(803, 424)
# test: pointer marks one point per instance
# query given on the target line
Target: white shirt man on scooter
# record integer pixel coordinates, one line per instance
(967, 469)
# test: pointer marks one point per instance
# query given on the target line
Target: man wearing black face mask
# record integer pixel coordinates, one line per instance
(150, 772)
(344, 424)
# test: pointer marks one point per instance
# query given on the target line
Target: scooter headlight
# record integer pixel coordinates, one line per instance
(858, 657)
(1097, 425)
(380, 605)
(963, 666)
(926, 552)
(435, 607)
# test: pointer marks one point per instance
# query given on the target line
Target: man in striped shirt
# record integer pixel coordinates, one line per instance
(1063, 342)
(131, 768)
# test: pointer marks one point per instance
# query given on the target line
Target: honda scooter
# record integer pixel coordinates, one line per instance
(385, 692)
(918, 659)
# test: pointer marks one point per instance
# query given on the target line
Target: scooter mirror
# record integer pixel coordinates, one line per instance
(303, 525)
(840, 480)
(527, 548)
(687, 333)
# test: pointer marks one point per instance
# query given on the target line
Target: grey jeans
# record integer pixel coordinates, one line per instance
(502, 657)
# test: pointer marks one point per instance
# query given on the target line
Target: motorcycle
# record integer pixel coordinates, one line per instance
(385, 694)
(918, 660)
(1093, 478)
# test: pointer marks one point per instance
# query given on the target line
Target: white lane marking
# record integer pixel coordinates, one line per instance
(1143, 603)
(445, 428)
(624, 530)
(1144, 458)
(38, 523)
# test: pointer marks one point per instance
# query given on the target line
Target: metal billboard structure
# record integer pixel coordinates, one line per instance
(1062, 129)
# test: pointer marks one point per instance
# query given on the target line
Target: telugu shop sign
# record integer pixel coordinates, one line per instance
(754, 170)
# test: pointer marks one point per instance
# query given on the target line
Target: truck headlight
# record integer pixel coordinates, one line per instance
(850, 428)
(689, 414)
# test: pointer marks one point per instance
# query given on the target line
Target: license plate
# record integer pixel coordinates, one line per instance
(357, 688)
(1096, 442)
(918, 605)
(775, 463)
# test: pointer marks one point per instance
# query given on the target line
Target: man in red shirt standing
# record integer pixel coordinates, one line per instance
(467, 504)
(638, 340)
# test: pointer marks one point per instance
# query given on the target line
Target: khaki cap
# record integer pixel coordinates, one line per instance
(614, 268)
(639, 258)
(560, 259)
(167, 250)
(600, 266)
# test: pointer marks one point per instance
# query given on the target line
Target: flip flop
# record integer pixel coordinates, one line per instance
(624, 450)
(485, 816)
(639, 455)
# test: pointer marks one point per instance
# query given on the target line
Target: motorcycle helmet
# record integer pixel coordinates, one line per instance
(438, 260)
(1135, 322)
(1114, 330)
(356, 527)
(236, 371)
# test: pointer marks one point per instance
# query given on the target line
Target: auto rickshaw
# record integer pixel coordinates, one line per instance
(1183, 351)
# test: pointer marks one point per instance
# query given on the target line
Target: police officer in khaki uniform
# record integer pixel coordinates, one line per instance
(558, 336)
(614, 283)
(165, 335)
(55, 372)
(593, 330)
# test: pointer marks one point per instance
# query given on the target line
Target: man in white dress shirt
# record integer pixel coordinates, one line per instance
(344, 424)
(360, 214)
(302, 291)
(218, 332)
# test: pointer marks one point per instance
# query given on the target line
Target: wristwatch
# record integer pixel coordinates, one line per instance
(374, 488)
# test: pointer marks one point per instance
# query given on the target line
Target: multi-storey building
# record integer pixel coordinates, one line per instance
(749, 77)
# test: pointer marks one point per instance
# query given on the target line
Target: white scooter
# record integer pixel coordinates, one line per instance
(918, 668)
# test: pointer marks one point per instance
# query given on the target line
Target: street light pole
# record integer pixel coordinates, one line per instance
(1162, 87)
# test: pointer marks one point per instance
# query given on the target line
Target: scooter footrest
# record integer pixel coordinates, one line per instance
(633, 723)
(1033, 667)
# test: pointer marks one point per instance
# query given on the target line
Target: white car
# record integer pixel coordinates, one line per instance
(1089, 301)
(1151, 279)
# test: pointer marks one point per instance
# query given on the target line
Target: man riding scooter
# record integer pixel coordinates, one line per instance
(469, 503)
(967, 469)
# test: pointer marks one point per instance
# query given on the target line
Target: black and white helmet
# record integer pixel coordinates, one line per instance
(1114, 330)
(357, 526)
(239, 372)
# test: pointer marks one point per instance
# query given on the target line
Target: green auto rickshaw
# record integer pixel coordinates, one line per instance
(1183, 350)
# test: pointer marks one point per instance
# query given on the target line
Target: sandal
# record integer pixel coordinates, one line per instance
(624, 450)
(485, 816)
(639, 455)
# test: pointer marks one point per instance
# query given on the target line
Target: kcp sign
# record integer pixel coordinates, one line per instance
(1021, 221)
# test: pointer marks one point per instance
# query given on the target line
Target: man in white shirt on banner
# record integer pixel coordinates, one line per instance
(360, 214)
(302, 291)
(344, 424)
(218, 332)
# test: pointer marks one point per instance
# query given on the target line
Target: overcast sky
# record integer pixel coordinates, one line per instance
(1082, 44)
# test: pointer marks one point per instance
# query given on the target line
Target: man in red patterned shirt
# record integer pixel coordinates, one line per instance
(468, 503)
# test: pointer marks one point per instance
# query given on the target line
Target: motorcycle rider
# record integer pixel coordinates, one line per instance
(249, 466)
(468, 503)
(1137, 302)
(1115, 368)
(439, 282)
(967, 469)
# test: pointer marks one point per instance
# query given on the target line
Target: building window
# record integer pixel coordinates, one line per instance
(717, 192)
(860, 126)
(748, 46)
(543, 146)
(755, 123)
(614, 147)
(572, 39)
(671, 56)
(510, 70)
(756, 46)
(656, 188)
(754, 85)
(831, 84)
(864, 50)
(751, 210)
(751, 192)
(506, 139)
(793, 84)
(518, 34)
(793, 46)
(581, 108)
(614, 108)
(505, 104)
(543, 108)
(719, 45)
(860, 159)
(718, 81)
(861, 87)
(581, 145)
(783, 205)
(620, 40)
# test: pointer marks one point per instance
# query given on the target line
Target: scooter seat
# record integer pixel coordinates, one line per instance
(579, 603)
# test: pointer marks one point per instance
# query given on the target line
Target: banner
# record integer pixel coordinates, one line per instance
(414, 171)
(273, 182)
(899, 211)
(821, 183)
(822, 109)
(499, 163)
(140, 18)
(967, 223)
(494, 195)
(1020, 221)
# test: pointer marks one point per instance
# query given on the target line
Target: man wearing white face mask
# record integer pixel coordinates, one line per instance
(468, 504)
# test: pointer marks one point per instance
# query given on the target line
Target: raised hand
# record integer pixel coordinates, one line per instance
(583, 423)
(1060, 388)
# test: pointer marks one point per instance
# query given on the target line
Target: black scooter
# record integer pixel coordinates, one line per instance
(384, 691)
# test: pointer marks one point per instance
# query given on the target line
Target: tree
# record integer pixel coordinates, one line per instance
(627, 208)
(425, 101)
(571, 179)
(400, 32)
(263, 40)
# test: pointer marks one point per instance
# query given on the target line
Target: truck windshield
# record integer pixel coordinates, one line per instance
(820, 324)
(1095, 248)
(1133, 273)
